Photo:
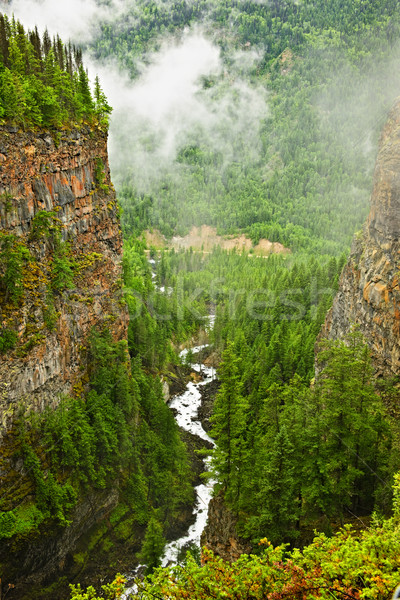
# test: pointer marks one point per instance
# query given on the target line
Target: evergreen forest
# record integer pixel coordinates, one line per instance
(282, 148)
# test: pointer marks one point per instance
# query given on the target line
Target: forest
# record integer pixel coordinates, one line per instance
(43, 82)
(293, 455)
(297, 456)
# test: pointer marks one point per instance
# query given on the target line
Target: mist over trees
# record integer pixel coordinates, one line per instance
(259, 118)
(43, 82)
(298, 172)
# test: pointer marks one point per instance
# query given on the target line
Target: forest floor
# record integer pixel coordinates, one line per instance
(205, 239)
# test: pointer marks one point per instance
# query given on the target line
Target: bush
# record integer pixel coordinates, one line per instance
(8, 340)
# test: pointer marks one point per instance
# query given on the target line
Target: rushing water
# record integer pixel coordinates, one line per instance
(186, 407)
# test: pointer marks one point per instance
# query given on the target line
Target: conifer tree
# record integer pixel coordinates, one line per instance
(153, 545)
(277, 499)
(229, 426)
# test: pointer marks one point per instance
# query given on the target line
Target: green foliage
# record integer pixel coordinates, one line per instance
(303, 453)
(153, 545)
(103, 109)
(111, 591)
(44, 224)
(7, 524)
(13, 254)
(49, 313)
(8, 340)
(52, 499)
(62, 266)
(6, 198)
(118, 429)
(155, 317)
(278, 303)
(100, 176)
(229, 422)
(43, 82)
(347, 565)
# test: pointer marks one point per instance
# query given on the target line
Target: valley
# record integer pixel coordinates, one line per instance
(162, 161)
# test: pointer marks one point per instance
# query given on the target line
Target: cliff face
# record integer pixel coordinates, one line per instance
(369, 293)
(59, 224)
(68, 175)
(220, 534)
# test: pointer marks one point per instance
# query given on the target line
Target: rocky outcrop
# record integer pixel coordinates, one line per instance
(66, 175)
(59, 216)
(369, 292)
(220, 534)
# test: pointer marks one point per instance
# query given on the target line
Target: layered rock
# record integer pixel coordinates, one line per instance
(220, 534)
(56, 203)
(369, 292)
(67, 174)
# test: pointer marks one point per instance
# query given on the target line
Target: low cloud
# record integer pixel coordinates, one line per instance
(184, 96)
(76, 20)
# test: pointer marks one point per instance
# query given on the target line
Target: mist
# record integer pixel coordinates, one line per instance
(184, 93)
(78, 21)
(184, 96)
(187, 95)
(356, 106)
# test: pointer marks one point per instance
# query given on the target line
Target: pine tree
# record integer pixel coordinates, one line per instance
(4, 40)
(102, 108)
(277, 499)
(153, 545)
(229, 426)
(353, 425)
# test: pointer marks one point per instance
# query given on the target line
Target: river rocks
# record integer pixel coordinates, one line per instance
(369, 292)
(208, 393)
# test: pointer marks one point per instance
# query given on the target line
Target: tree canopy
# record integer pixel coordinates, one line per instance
(43, 81)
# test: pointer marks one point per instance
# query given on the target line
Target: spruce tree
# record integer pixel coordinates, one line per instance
(153, 545)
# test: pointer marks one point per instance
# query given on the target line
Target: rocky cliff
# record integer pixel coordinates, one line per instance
(369, 293)
(65, 176)
(220, 534)
(60, 277)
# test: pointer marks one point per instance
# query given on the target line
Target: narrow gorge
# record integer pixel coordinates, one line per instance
(215, 311)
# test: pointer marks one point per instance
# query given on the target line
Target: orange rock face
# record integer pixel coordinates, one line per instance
(220, 533)
(67, 174)
(369, 294)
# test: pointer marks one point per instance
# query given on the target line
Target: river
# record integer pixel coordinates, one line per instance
(186, 407)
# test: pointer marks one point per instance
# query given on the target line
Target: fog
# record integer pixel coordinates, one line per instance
(184, 96)
(184, 93)
(76, 20)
